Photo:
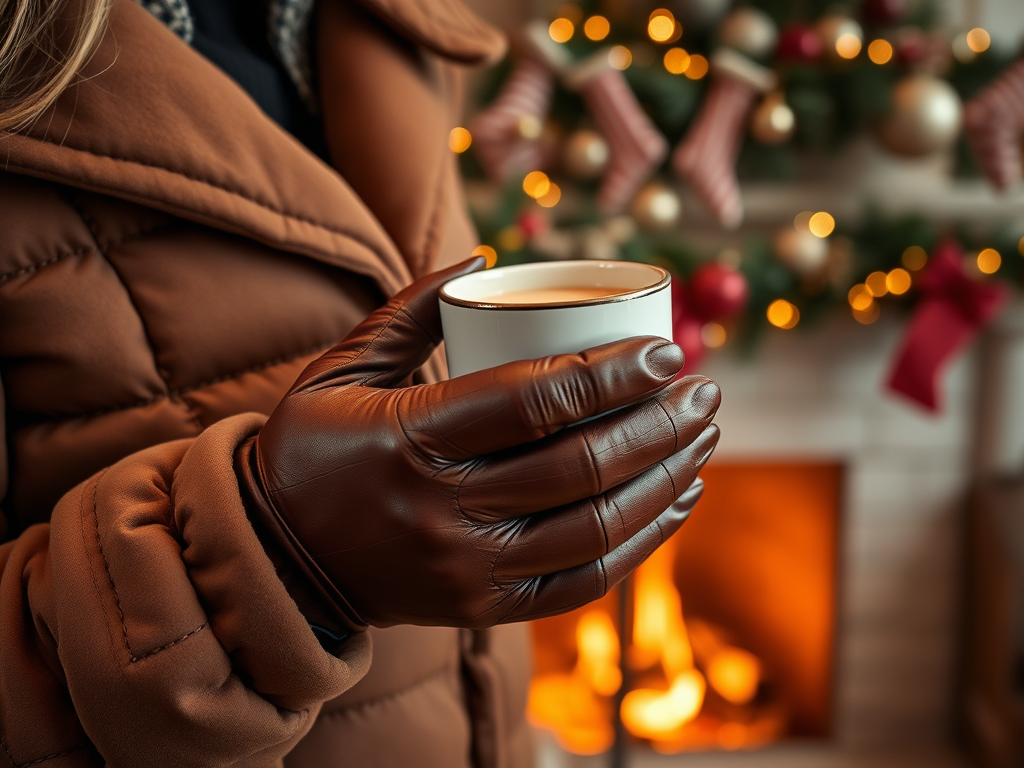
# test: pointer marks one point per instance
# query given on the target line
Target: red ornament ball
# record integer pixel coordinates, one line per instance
(884, 11)
(532, 222)
(799, 42)
(717, 292)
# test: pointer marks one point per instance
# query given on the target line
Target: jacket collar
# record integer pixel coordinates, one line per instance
(151, 121)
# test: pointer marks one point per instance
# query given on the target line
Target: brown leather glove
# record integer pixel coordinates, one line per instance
(472, 502)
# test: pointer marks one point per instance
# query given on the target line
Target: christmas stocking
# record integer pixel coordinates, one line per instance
(994, 122)
(636, 147)
(707, 156)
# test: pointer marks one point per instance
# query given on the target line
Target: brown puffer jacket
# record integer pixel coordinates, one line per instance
(169, 261)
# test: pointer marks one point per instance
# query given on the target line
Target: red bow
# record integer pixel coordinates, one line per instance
(953, 309)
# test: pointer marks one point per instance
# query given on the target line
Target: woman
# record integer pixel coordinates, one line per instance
(187, 582)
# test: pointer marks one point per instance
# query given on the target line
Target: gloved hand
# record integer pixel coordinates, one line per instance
(472, 502)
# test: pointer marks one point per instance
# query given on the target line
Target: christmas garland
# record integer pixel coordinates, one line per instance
(596, 103)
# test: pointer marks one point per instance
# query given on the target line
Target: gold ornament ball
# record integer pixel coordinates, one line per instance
(656, 207)
(586, 155)
(804, 253)
(841, 37)
(925, 118)
(749, 31)
(773, 121)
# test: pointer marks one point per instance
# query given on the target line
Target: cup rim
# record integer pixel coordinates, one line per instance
(663, 282)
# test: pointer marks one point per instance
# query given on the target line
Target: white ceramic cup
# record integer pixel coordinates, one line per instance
(482, 331)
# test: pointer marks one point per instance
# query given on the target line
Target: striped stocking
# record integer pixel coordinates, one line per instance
(707, 156)
(994, 122)
(636, 147)
(505, 134)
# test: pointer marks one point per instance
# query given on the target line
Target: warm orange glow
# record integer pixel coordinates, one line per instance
(880, 51)
(578, 717)
(868, 315)
(1020, 246)
(860, 298)
(914, 258)
(876, 284)
(597, 28)
(802, 221)
(510, 239)
(898, 281)
(821, 224)
(536, 184)
(488, 253)
(598, 646)
(713, 335)
(561, 30)
(698, 67)
(459, 140)
(676, 60)
(783, 314)
(662, 26)
(620, 57)
(989, 261)
(734, 674)
(655, 714)
(848, 45)
(979, 40)
(550, 198)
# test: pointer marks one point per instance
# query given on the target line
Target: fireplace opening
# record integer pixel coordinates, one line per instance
(729, 634)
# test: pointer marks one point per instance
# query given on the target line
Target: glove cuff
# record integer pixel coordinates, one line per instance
(317, 597)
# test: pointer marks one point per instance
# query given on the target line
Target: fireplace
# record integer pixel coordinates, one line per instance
(729, 639)
(827, 547)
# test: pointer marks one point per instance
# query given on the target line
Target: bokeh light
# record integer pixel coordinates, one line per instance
(821, 224)
(620, 57)
(880, 51)
(662, 25)
(914, 258)
(698, 67)
(848, 46)
(869, 315)
(860, 297)
(876, 284)
(783, 314)
(550, 198)
(510, 239)
(676, 60)
(989, 261)
(1020, 246)
(459, 139)
(713, 335)
(802, 221)
(536, 184)
(597, 28)
(561, 30)
(488, 253)
(978, 40)
(898, 281)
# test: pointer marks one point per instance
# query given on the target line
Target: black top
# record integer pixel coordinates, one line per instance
(233, 35)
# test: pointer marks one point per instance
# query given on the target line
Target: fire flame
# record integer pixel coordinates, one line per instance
(665, 657)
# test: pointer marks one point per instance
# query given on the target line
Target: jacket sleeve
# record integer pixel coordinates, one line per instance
(146, 626)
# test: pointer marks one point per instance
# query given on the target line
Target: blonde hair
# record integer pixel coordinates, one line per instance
(43, 47)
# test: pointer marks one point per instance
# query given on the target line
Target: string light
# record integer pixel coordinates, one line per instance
(488, 253)
(536, 184)
(821, 224)
(676, 60)
(802, 222)
(848, 45)
(978, 40)
(783, 314)
(860, 298)
(561, 30)
(698, 67)
(898, 281)
(550, 198)
(713, 335)
(459, 140)
(597, 28)
(915, 257)
(876, 284)
(989, 261)
(880, 51)
(620, 57)
(661, 25)
(869, 315)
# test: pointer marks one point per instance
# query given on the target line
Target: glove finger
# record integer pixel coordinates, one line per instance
(519, 402)
(587, 530)
(590, 459)
(393, 341)
(569, 589)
